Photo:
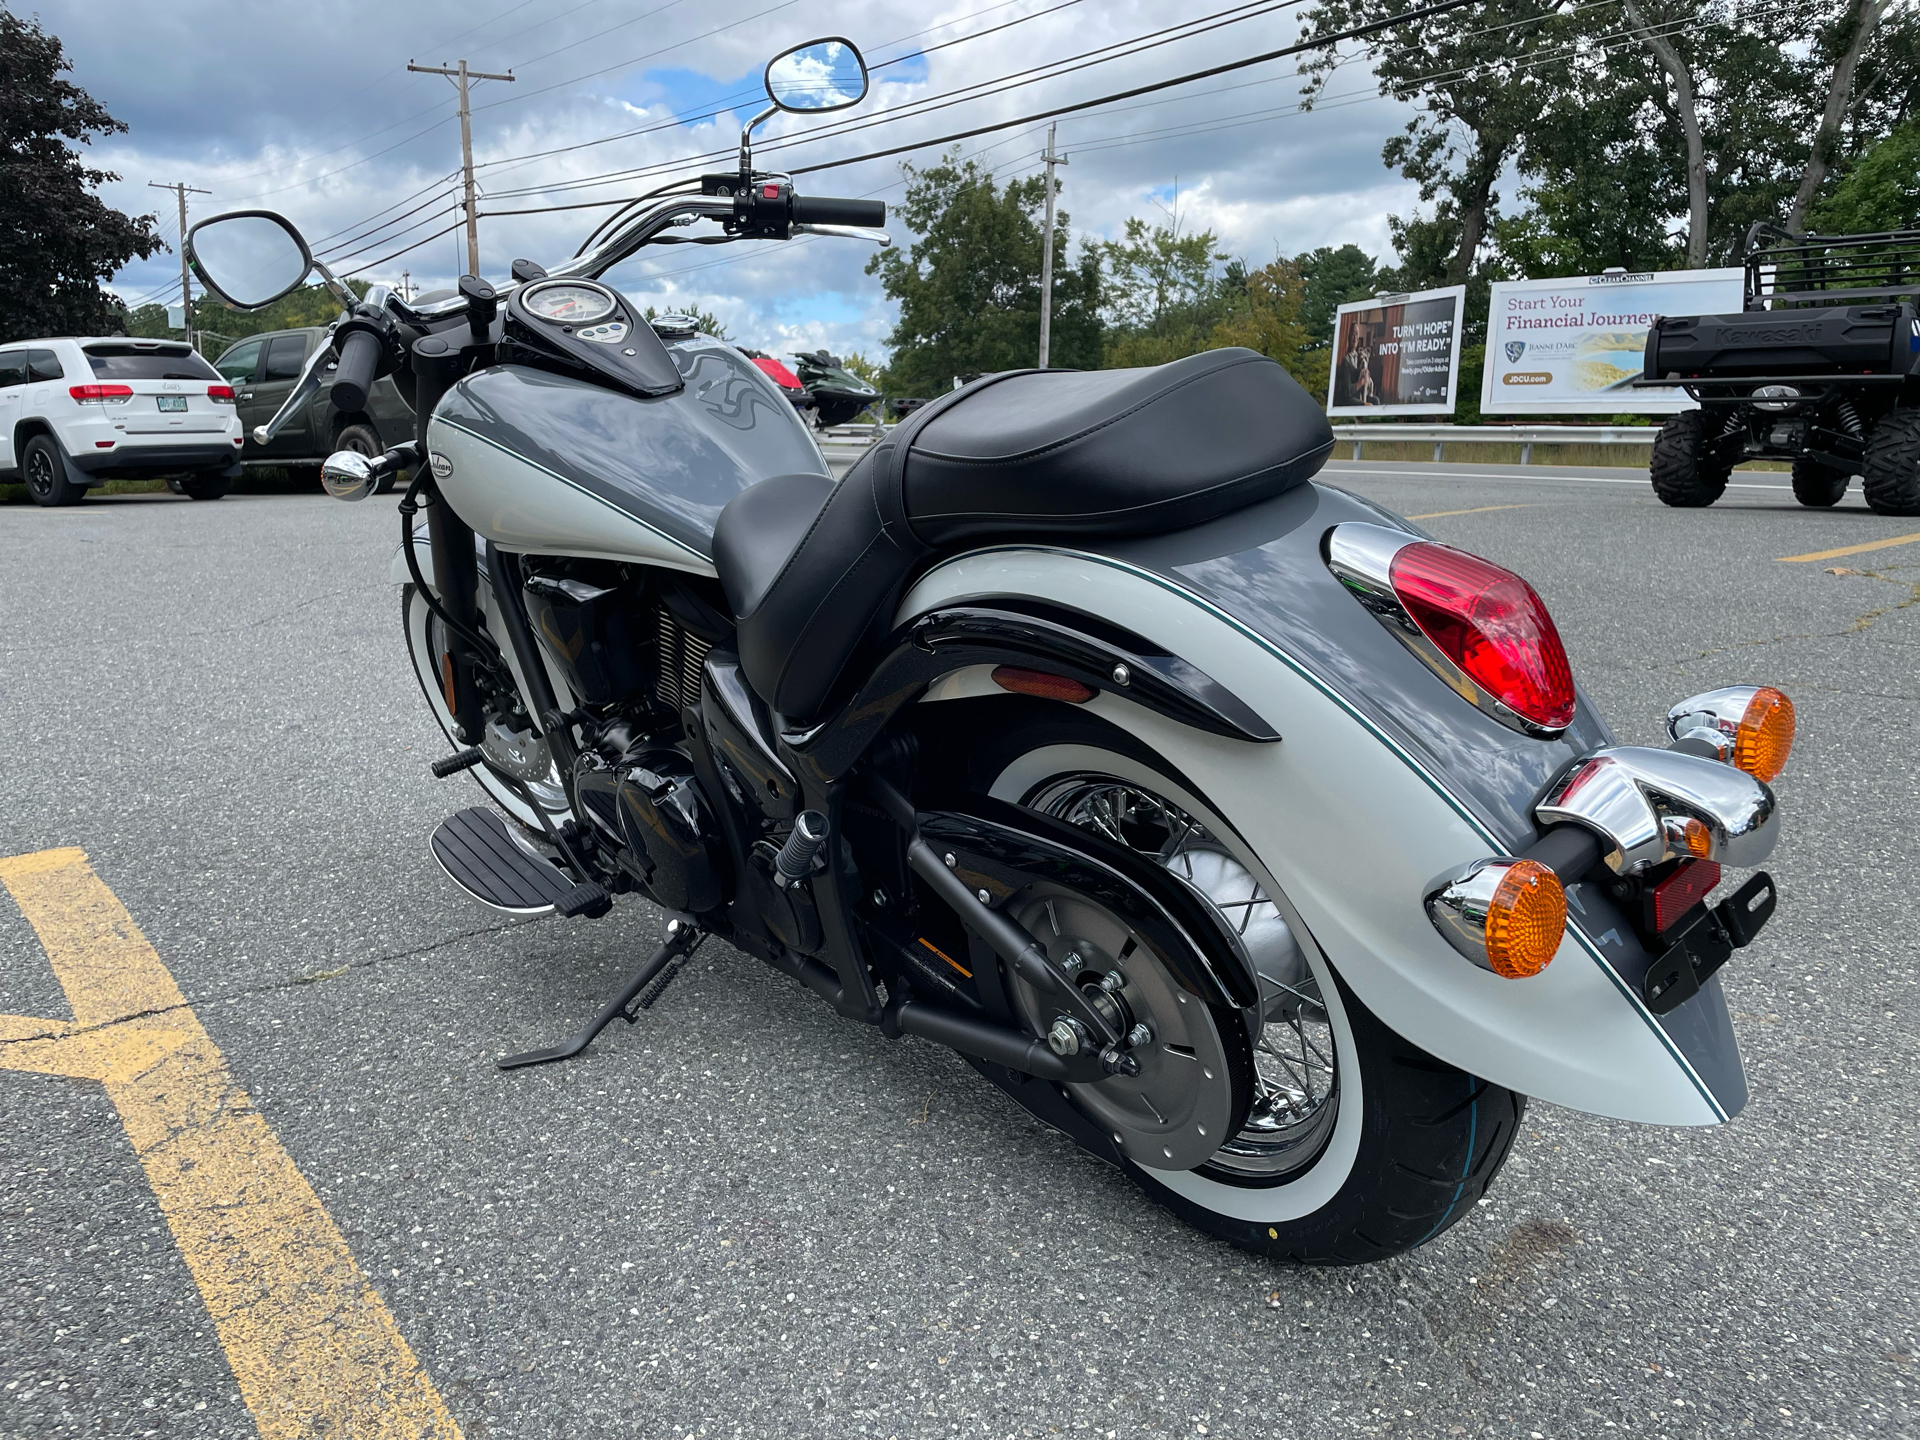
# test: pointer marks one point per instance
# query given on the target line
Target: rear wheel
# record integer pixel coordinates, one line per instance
(205, 485)
(1891, 476)
(1351, 1144)
(1818, 485)
(1685, 470)
(44, 470)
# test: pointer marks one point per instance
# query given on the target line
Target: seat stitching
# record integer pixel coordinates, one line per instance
(1132, 509)
(1154, 398)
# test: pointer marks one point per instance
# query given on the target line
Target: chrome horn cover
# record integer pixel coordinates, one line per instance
(1628, 794)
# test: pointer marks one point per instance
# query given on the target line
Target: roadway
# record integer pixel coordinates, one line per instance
(747, 1217)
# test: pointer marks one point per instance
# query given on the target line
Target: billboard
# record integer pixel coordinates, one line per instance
(1575, 346)
(1397, 354)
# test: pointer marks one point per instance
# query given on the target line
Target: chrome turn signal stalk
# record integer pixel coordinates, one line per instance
(1648, 806)
(1504, 915)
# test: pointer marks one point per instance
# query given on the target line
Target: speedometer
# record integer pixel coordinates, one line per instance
(567, 302)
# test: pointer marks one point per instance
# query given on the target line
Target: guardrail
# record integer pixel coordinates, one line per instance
(1525, 436)
(848, 442)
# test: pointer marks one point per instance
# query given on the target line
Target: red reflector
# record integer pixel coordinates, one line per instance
(1489, 622)
(220, 392)
(1038, 682)
(100, 392)
(769, 192)
(1685, 888)
(103, 444)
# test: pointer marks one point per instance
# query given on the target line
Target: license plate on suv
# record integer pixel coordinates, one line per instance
(171, 402)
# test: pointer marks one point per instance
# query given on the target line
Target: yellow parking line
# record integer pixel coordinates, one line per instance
(1852, 549)
(1477, 510)
(314, 1350)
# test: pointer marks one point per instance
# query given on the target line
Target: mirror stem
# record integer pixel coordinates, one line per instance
(338, 290)
(746, 142)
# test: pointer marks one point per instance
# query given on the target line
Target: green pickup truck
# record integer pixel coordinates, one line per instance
(262, 369)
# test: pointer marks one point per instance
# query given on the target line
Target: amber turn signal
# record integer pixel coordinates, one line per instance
(1525, 920)
(1765, 736)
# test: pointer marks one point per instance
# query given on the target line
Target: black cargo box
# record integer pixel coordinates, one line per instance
(1842, 340)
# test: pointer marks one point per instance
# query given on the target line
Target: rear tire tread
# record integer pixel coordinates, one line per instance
(1682, 475)
(1891, 476)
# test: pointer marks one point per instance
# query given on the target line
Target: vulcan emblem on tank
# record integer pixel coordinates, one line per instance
(441, 466)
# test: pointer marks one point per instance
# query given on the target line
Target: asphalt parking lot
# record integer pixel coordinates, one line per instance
(747, 1217)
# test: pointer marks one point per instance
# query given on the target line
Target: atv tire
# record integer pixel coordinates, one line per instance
(1817, 484)
(1685, 473)
(1891, 476)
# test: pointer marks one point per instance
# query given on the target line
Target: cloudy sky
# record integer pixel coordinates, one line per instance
(310, 110)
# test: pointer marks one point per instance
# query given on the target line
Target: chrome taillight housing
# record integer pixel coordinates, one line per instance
(1482, 629)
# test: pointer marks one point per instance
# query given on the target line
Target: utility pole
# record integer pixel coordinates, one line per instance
(406, 286)
(1046, 255)
(460, 76)
(181, 189)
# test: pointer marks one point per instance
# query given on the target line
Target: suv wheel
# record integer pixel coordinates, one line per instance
(1891, 476)
(364, 440)
(1685, 471)
(1817, 484)
(205, 485)
(44, 469)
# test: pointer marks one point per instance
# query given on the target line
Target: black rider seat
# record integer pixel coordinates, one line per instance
(813, 570)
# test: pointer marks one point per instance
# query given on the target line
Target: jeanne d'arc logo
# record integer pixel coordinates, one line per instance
(1515, 349)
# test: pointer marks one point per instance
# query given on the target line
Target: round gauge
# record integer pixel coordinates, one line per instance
(567, 302)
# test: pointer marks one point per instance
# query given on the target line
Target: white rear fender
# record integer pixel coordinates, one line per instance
(1352, 830)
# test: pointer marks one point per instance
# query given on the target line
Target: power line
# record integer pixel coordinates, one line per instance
(1134, 45)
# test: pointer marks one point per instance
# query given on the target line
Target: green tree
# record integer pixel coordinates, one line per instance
(1330, 278)
(58, 240)
(1162, 291)
(969, 287)
(307, 306)
(1266, 311)
(1881, 191)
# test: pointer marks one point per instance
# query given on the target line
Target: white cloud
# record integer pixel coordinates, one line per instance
(311, 111)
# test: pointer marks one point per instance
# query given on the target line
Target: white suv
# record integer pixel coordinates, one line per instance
(76, 412)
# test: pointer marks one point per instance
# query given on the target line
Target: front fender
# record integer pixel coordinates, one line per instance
(1383, 780)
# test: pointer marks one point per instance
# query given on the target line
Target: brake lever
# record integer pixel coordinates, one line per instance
(304, 389)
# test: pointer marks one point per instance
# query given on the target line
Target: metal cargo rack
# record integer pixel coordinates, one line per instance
(1785, 270)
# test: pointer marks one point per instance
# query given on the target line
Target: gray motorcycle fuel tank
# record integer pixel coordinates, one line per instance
(548, 464)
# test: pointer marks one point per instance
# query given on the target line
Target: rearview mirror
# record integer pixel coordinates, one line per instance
(249, 258)
(819, 75)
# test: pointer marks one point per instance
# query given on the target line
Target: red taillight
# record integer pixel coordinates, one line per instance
(1489, 622)
(100, 394)
(220, 392)
(1685, 888)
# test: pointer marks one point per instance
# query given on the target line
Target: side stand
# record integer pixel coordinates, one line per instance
(682, 936)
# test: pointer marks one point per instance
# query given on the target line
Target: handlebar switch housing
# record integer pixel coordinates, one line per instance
(762, 207)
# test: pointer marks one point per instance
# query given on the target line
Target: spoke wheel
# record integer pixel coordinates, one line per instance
(1296, 1087)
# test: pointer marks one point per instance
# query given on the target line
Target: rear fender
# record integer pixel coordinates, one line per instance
(1351, 817)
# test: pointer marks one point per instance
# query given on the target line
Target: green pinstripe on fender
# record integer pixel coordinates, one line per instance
(1406, 757)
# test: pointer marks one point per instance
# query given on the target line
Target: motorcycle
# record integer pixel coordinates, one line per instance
(1252, 839)
(837, 393)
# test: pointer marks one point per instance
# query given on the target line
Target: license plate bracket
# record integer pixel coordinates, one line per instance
(170, 403)
(1707, 944)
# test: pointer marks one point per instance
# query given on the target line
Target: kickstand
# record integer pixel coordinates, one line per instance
(683, 936)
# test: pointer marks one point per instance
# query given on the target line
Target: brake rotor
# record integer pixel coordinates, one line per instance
(1176, 1112)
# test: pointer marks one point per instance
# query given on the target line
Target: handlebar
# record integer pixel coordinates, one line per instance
(827, 210)
(359, 365)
